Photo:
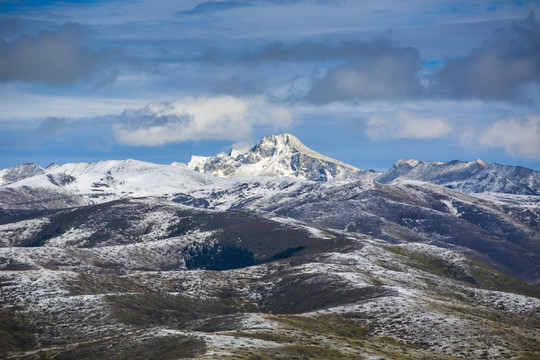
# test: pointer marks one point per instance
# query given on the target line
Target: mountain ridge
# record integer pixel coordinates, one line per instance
(472, 177)
(278, 155)
(19, 172)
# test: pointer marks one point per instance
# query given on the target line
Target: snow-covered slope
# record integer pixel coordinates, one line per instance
(471, 177)
(19, 172)
(503, 179)
(278, 155)
(435, 172)
(107, 180)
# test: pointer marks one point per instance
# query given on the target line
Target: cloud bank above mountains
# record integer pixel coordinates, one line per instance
(468, 74)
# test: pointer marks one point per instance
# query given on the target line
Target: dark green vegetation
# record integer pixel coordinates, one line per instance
(219, 256)
(64, 221)
(150, 309)
(188, 221)
(494, 279)
(242, 238)
(343, 326)
(284, 254)
(94, 284)
(331, 336)
(154, 348)
(164, 347)
(265, 238)
(15, 335)
(296, 352)
(12, 216)
(297, 293)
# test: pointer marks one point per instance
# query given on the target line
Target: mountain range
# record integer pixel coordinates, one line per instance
(276, 252)
(284, 156)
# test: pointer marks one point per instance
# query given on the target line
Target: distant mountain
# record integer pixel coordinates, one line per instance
(278, 155)
(503, 179)
(19, 172)
(95, 182)
(435, 172)
(470, 177)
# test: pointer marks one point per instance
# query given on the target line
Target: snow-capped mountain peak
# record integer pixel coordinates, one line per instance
(481, 162)
(19, 172)
(278, 155)
(410, 162)
(234, 153)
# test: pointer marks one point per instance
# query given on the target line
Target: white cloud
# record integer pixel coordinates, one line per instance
(517, 136)
(216, 118)
(404, 124)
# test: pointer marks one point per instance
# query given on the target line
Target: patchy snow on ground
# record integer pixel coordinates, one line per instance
(311, 230)
(13, 234)
(453, 210)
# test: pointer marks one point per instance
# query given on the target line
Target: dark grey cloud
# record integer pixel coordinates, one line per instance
(240, 83)
(354, 70)
(311, 51)
(214, 6)
(58, 57)
(377, 70)
(209, 7)
(53, 125)
(498, 69)
(50, 126)
(305, 51)
(153, 115)
(8, 26)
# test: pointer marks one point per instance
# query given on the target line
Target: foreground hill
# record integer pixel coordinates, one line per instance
(162, 280)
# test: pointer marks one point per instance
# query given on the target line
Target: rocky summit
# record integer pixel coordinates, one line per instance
(278, 155)
(274, 253)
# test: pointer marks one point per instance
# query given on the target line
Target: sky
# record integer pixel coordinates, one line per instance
(364, 82)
